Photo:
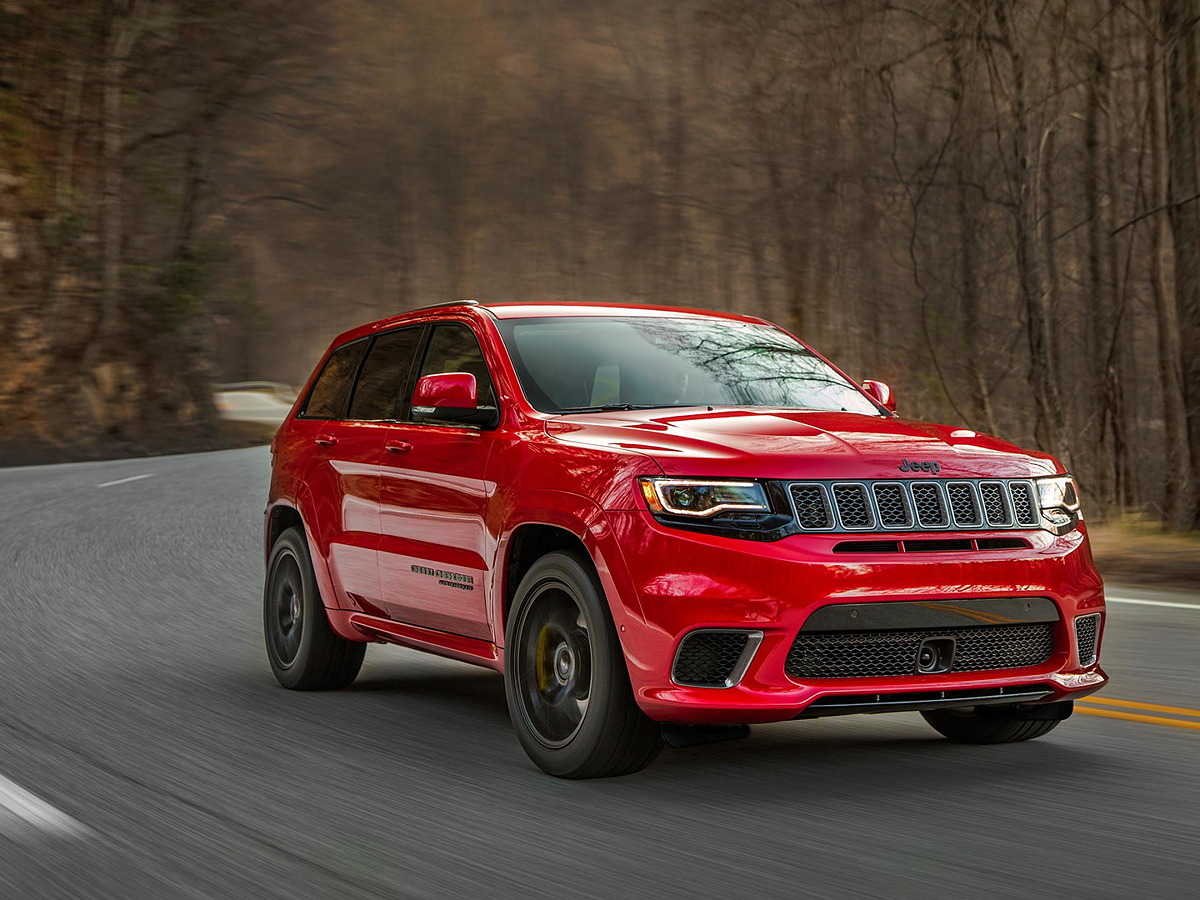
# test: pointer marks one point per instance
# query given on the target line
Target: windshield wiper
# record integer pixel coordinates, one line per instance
(611, 407)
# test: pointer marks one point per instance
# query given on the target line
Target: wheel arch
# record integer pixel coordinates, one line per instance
(282, 515)
(572, 523)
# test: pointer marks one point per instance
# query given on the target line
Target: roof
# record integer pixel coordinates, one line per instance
(527, 309)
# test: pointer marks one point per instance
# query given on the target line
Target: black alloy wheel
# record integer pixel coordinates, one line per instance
(554, 664)
(284, 615)
(566, 679)
(305, 653)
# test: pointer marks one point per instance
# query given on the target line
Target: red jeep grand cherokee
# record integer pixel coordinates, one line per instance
(656, 519)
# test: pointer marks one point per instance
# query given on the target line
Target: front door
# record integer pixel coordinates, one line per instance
(435, 550)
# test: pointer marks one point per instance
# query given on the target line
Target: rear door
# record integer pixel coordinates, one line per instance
(346, 420)
(435, 549)
(340, 470)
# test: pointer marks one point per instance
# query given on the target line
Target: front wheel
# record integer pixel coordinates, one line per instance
(306, 654)
(565, 677)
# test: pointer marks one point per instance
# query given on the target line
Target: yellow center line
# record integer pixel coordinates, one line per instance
(1135, 717)
(1148, 707)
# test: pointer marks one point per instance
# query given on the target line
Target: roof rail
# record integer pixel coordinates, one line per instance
(444, 303)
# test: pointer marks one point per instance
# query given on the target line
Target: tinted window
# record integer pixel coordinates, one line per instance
(587, 363)
(453, 348)
(385, 372)
(332, 390)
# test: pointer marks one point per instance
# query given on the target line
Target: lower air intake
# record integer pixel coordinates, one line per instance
(1087, 630)
(866, 654)
(714, 658)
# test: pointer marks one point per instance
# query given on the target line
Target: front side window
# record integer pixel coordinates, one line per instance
(377, 395)
(329, 395)
(453, 348)
(588, 364)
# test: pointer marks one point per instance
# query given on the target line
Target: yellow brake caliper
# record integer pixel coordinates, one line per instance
(541, 658)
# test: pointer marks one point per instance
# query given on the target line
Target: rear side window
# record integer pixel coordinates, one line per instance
(332, 391)
(384, 374)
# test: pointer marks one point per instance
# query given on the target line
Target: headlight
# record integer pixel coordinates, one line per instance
(704, 499)
(1058, 498)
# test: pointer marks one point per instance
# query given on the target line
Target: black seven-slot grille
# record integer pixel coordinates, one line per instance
(977, 504)
(864, 654)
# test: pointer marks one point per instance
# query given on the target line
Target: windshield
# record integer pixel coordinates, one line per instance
(591, 364)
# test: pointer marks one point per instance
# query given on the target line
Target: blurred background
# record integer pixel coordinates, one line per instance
(993, 206)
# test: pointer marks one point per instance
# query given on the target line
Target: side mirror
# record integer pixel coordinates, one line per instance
(881, 394)
(452, 397)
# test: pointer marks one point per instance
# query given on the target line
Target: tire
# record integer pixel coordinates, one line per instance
(565, 677)
(994, 725)
(305, 653)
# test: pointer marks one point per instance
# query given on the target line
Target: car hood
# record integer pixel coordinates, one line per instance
(799, 444)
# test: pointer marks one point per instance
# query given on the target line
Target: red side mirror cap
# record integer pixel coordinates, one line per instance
(881, 394)
(451, 390)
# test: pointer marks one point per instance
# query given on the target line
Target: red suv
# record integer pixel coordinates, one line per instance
(667, 524)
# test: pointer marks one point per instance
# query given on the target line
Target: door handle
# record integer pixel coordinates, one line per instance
(397, 446)
(325, 440)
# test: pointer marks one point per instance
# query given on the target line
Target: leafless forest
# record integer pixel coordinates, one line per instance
(992, 204)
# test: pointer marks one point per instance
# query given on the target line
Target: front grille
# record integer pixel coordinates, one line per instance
(994, 506)
(964, 505)
(865, 654)
(892, 504)
(713, 658)
(853, 505)
(1023, 502)
(812, 507)
(1087, 630)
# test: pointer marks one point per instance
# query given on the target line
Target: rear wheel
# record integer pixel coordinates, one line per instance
(996, 725)
(306, 654)
(565, 677)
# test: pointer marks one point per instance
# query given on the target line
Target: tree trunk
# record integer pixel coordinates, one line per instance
(126, 22)
(1177, 490)
(1179, 30)
(1031, 285)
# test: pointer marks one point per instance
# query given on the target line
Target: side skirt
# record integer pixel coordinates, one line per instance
(441, 643)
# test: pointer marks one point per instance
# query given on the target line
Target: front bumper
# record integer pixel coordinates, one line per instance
(673, 582)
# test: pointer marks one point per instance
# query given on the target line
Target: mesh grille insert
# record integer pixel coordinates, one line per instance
(963, 504)
(708, 658)
(1087, 629)
(863, 654)
(893, 509)
(812, 509)
(1022, 500)
(931, 513)
(853, 505)
(993, 503)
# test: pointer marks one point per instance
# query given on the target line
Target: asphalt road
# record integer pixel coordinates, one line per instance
(146, 751)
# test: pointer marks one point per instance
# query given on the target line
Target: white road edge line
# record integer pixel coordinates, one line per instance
(20, 810)
(125, 480)
(1167, 603)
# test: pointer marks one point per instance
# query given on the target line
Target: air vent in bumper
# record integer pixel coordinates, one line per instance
(859, 654)
(1087, 632)
(714, 658)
